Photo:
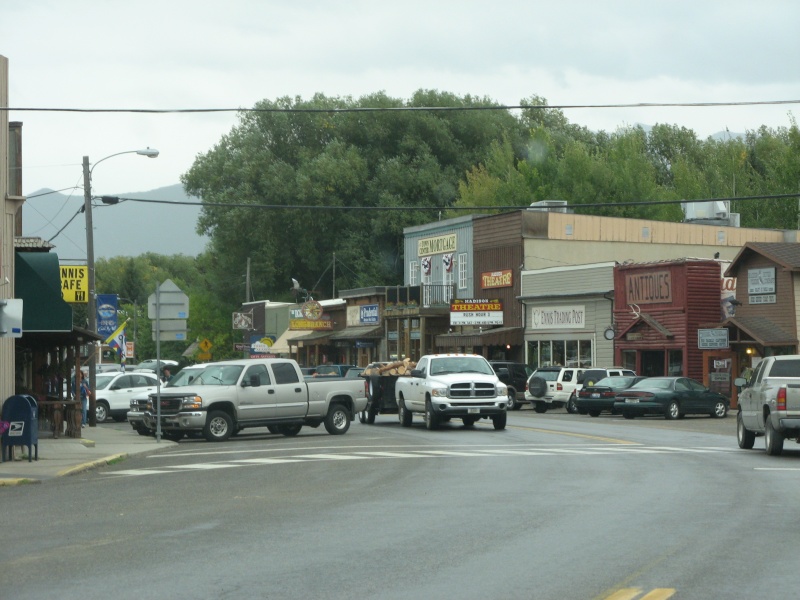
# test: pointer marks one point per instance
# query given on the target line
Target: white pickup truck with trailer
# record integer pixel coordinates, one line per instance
(229, 396)
(769, 404)
(444, 386)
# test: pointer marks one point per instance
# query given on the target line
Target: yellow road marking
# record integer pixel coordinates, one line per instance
(631, 593)
(659, 594)
(624, 594)
(578, 435)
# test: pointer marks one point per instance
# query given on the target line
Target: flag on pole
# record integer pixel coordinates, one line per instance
(117, 341)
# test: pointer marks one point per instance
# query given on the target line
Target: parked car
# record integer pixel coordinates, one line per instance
(308, 371)
(592, 375)
(672, 397)
(332, 370)
(599, 397)
(552, 387)
(113, 392)
(515, 376)
(150, 365)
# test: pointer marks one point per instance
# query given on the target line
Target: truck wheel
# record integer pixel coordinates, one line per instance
(469, 421)
(142, 430)
(594, 413)
(172, 436)
(512, 399)
(101, 411)
(720, 410)
(403, 414)
(290, 430)
(219, 426)
(374, 388)
(773, 440)
(499, 421)
(431, 418)
(673, 410)
(273, 429)
(540, 407)
(627, 414)
(744, 436)
(337, 421)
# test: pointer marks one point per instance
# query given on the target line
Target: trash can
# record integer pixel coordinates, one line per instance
(21, 414)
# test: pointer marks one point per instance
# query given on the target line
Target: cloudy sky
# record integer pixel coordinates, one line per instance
(178, 54)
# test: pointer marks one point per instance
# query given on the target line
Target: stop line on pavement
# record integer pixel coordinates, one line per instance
(387, 454)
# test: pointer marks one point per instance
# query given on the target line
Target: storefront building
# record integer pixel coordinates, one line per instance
(659, 309)
(765, 321)
(363, 341)
(568, 315)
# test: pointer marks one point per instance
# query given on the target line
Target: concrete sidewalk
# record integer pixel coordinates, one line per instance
(100, 445)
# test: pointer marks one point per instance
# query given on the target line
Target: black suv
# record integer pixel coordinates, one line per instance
(515, 376)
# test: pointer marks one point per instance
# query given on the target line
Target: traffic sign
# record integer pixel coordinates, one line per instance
(169, 303)
(203, 356)
(239, 347)
(205, 345)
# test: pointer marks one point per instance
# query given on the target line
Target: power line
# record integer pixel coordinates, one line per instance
(402, 108)
(112, 199)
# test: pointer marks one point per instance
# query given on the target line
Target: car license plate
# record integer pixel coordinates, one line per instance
(595, 395)
(474, 411)
(632, 400)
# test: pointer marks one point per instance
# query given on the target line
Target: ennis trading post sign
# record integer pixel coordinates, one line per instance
(654, 287)
(75, 284)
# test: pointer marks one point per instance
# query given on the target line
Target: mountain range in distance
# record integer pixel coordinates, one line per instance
(126, 229)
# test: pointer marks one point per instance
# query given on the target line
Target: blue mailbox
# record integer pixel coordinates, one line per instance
(21, 414)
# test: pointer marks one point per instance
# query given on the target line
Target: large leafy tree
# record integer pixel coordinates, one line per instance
(360, 169)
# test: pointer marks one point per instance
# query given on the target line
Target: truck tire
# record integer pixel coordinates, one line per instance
(773, 440)
(432, 421)
(499, 421)
(571, 407)
(172, 436)
(744, 436)
(512, 399)
(273, 429)
(374, 389)
(403, 414)
(219, 426)
(540, 407)
(469, 421)
(289, 430)
(337, 421)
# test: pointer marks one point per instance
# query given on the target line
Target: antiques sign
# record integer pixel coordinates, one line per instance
(652, 287)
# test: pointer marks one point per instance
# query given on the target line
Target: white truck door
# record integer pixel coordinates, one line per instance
(291, 392)
(256, 402)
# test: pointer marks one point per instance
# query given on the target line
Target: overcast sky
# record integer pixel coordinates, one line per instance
(174, 54)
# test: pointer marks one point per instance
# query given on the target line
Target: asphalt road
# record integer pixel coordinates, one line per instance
(556, 506)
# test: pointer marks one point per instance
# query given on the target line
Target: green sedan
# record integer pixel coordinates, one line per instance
(672, 397)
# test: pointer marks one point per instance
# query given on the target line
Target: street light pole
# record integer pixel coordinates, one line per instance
(92, 300)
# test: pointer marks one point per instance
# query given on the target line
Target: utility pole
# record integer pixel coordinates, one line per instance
(92, 300)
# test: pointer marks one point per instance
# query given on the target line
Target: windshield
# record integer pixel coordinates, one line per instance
(220, 375)
(547, 375)
(185, 377)
(460, 364)
(102, 381)
(654, 382)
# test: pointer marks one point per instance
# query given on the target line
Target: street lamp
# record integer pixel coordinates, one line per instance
(87, 209)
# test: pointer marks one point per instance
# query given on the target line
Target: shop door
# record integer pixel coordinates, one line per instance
(653, 363)
(719, 367)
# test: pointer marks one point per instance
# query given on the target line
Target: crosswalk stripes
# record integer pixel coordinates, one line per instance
(483, 452)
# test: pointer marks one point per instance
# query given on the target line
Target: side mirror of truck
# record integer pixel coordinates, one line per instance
(253, 381)
(417, 373)
(740, 382)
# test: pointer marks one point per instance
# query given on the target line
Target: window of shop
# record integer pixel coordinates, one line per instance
(569, 353)
(413, 272)
(629, 359)
(462, 271)
(676, 362)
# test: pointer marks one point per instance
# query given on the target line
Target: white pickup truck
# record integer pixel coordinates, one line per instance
(229, 396)
(769, 404)
(443, 386)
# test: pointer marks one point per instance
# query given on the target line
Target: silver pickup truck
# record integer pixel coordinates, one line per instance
(229, 396)
(769, 404)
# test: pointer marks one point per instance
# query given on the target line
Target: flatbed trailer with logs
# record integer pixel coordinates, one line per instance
(381, 378)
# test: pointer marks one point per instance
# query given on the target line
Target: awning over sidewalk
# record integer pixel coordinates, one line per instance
(281, 345)
(37, 281)
(491, 337)
(370, 332)
(760, 330)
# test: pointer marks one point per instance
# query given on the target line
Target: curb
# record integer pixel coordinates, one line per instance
(100, 462)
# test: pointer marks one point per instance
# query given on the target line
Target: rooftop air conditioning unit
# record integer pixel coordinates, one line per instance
(549, 205)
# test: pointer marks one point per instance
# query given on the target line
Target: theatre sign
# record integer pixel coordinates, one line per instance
(476, 312)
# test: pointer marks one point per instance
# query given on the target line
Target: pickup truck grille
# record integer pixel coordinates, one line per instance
(472, 390)
(169, 406)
